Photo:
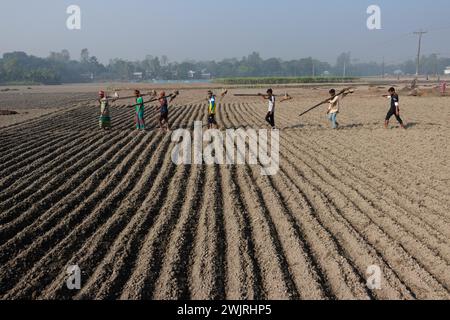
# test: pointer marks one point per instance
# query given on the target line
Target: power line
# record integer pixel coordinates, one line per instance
(438, 29)
(399, 37)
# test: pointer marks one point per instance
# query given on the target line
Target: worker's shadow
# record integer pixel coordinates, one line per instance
(352, 126)
(306, 126)
(407, 126)
(411, 125)
(297, 126)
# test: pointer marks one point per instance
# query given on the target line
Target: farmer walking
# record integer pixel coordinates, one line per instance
(335, 106)
(212, 107)
(270, 117)
(139, 117)
(164, 112)
(394, 108)
(105, 117)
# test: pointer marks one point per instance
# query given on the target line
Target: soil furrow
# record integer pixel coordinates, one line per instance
(46, 196)
(418, 277)
(88, 218)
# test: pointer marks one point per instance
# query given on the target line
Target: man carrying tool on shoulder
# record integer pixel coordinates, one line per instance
(335, 105)
(139, 115)
(394, 109)
(270, 117)
(212, 106)
(164, 110)
(105, 116)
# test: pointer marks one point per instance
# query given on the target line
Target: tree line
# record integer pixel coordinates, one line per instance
(59, 67)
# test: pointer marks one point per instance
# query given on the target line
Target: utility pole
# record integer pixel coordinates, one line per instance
(420, 34)
(383, 68)
(345, 68)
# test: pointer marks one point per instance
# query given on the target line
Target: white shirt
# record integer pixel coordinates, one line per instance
(272, 104)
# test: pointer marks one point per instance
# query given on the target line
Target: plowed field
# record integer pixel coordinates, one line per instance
(141, 227)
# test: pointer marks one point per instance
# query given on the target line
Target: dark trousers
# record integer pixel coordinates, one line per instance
(393, 112)
(270, 118)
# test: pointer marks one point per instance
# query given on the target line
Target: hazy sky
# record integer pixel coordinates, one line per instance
(210, 29)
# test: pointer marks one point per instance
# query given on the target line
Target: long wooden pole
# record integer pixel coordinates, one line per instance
(153, 94)
(116, 98)
(325, 101)
(172, 97)
(255, 95)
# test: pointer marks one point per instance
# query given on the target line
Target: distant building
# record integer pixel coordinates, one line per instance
(87, 76)
(138, 75)
(191, 74)
(447, 71)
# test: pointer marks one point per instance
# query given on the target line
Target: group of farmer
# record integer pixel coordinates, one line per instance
(105, 116)
(333, 110)
(335, 105)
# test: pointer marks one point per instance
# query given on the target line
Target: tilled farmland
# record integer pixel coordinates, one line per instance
(141, 227)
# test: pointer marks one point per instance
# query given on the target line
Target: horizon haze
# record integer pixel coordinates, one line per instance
(202, 30)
